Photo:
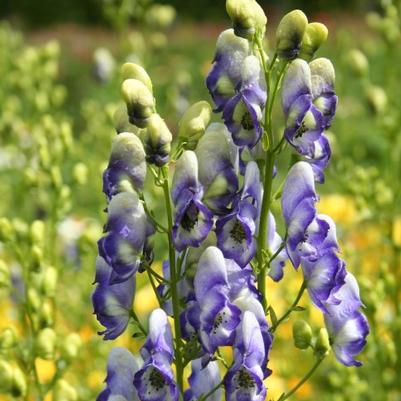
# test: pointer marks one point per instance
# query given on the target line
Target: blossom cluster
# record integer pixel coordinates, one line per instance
(220, 226)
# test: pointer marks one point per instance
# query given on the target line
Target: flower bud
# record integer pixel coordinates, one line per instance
(358, 62)
(6, 376)
(121, 122)
(45, 344)
(37, 232)
(69, 347)
(322, 346)
(4, 275)
(157, 140)
(135, 71)
(63, 391)
(80, 173)
(247, 16)
(49, 281)
(290, 33)
(315, 35)
(160, 16)
(56, 177)
(18, 385)
(377, 98)
(20, 228)
(37, 258)
(193, 123)
(45, 316)
(6, 230)
(302, 334)
(33, 299)
(140, 102)
(8, 338)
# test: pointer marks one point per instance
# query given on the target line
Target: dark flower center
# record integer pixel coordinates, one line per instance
(218, 321)
(237, 233)
(301, 130)
(245, 380)
(190, 217)
(156, 379)
(247, 122)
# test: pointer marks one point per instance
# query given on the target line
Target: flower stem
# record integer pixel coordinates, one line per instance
(173, 273)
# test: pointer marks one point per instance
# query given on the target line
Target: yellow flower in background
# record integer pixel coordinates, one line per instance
(339, 207)
(95, 379)
(397, 231)
(45, 369)
(145, 300)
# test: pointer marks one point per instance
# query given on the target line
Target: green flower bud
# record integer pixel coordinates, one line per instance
(157, 140)
(290, 33)
(8, 338)
(322, 346)
(45, 316)
(80, 173)
(37, 258)
(56, 177)
(20, 228)
(18, 385)
(69, 347)
(65, 134)
(247, 16)
(160, 16)
(315, 35)
(49, 281)
(30, 177)
(140, 102)
(37, 232)
(302, 334)
(135, 71)
(63, 391)
(33, 299)
(6, 376)
(121, 122)
(6, 230)
(377, 98)
(358, 62)
(45, 343)
(193, 123)
(4, 275)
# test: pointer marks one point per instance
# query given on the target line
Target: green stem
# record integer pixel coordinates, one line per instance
(173, 276)
(138, 322)
(302, 381)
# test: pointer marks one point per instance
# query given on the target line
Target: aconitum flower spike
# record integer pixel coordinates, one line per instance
(347, 326)
(127, 229)
(193, 220)
(225, 74)
(235, 231)
(304, 122)
(218, 316)
(244, 380)
(112, 303)
(121, 368)
(155, 380)
(203, 380)
(127, 165)
(243, 113)
(218, 165)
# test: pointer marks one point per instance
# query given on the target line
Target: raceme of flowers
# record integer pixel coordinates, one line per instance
(219, 220)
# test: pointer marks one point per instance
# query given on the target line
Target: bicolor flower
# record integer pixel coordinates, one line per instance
(155, 381)
(347, 326)
(319, 157)
(127, 229)
(304, 121)
(193, 220)
(244, 380)
(243, 113)
(203, 380)
(127, 165)
(112, 303)
(225, 74)
(218, 165)
(121, 368)
(235, 231)
(218, 316)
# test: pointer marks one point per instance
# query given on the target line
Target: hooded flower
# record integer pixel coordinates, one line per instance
(127, 228)
(235, 231)
(193, 220)
(155, 381)
(304, 121)
(203, 380)
(121, 368)
(112, 303)
(319, 157)
(218, 316)
(218, 164)
(347, 326)
(244, 380)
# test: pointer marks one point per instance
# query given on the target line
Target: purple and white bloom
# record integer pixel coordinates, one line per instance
(203, 380)
(218, 166)
(193, 220)
(319, 157)
(235, 231)
(244, 380)
(304, 121)
(127, 229)
(225, 74)
(121, 368)
(218, 316)
(155, 381)
(112, 303)
(346, 325)
(243, 113)
(126, 170)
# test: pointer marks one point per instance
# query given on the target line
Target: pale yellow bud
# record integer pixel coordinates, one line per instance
(315, 35)
(6, 376)
(135, 71)
(322, 346)
(45, 344)
(69, 346)
(18, 385)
